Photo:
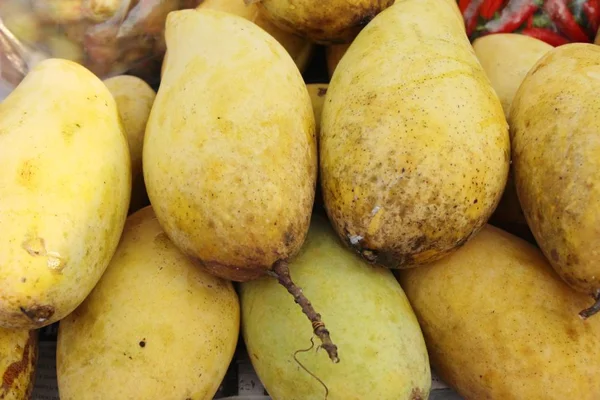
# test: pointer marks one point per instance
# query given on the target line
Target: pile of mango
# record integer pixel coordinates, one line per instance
(343, 231)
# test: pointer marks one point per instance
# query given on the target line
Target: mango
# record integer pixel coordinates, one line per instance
(300, 49)
(555, 134)
(501, 325)
(414, 146)
(231, 178)
(18, 363)
(331, 22)
(155, 327)
(65, 185)
(371, 319)
(134, 99)
(317, 92)
(506, 58)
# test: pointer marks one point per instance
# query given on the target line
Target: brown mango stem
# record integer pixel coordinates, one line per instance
(281, 271)
(595, 308)
(249, 2)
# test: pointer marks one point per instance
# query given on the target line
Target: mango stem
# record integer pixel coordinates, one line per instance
(588, 312)
(281, 271)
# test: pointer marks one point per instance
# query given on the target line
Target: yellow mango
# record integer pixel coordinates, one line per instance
(134, 99)
(65, 184)
(414, 147)
(317, 92)
(555, 133)
(229, 153)
(501, 325)
(300, 49)
(506, 58)
(330, 22)
(372, 322)
(155, 327)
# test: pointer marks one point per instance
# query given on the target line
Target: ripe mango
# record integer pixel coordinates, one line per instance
(155, 327)
(414, 147)
(501, 325)
(134, 99)
(555, 133)
(65, 186)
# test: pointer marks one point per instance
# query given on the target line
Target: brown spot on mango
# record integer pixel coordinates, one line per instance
(17, 368)
(38, 314)
(27, 174)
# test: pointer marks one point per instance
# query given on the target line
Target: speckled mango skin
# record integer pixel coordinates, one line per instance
(230, 158)
(155, 327)
(65, 185)
(414, 148)
(501, 325)
(382, 350)
(555, 132)
(18, 362)
(329, 22)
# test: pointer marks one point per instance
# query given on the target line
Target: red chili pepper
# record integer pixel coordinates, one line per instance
(490, 7)
(471, 14)
(546, 35)
(530, 21)
(463, 4)
(513, 16)
(591, 8)
(564, 20)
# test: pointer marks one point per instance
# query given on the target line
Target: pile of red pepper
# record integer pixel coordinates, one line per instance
(556, 22)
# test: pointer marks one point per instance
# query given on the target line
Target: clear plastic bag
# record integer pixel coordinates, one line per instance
(109, 37)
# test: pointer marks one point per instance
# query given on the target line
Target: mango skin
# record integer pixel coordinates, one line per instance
(65, 186)
(18, 363)
(334, 21)
(506, 58)
(370, 320)
(317, 92)
(230, 159)
(155, 327)
(555, 133)
(134, 99)
(300, 48)
(414, 146)
(501, 325)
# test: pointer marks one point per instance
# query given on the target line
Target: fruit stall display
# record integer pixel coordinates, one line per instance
(296, 200)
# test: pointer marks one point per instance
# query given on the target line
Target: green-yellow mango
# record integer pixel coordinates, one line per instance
(382, 350)
(414, 146)
(155, 327)
(65, 186)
